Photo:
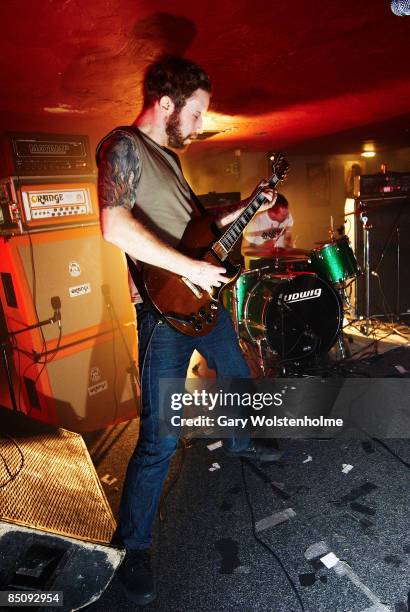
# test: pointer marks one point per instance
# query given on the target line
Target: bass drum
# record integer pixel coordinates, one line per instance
(298, 316)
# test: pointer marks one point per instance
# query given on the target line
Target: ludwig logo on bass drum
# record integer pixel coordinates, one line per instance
(299, 296)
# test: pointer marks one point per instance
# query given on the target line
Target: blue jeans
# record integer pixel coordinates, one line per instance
(167, 356)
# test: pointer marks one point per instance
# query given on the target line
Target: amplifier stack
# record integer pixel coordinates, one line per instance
(383, 200)
(78, 370)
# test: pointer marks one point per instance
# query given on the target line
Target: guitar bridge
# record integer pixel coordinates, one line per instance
(197, 292)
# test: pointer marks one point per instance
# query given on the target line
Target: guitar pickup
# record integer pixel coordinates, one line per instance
(197, 292)
(219, 250)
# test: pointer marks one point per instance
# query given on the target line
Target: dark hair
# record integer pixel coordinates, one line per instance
(281, 201)
(175, 77)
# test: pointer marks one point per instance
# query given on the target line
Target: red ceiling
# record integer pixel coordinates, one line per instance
(296, 74)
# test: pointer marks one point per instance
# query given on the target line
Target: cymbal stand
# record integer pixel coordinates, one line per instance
(343, 346)
(343, 340)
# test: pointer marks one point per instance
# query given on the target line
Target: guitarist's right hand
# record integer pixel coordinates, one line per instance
(205, 275)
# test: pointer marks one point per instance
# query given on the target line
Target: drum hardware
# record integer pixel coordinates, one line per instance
(268, 249)
(343, 346)
(261, 356)
(257, 270)
(345, 297)
(257, 326)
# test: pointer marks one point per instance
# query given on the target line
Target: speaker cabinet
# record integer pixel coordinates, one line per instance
(79, 376)
(84, 386)
(76, 265)
(389, 257)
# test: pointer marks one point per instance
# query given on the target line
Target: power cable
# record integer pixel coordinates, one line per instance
(11, 475)
(264, 544)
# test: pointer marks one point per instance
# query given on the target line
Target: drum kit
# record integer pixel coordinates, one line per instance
(289, 303)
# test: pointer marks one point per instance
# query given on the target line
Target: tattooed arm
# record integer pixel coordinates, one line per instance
(118, 176)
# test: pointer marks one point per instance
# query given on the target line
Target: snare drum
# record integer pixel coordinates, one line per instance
(298, 315)
(335, 261)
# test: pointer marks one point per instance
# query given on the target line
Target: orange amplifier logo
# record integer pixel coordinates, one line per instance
(49, 198)
(45, 198)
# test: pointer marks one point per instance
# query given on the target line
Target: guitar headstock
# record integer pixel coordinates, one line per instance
(280, 167)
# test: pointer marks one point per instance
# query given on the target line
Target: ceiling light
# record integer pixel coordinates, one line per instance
(368, 153)
(369, 149)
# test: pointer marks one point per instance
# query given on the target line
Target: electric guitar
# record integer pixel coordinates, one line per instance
(186, 306)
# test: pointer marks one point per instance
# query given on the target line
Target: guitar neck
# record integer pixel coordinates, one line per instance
(229, 238)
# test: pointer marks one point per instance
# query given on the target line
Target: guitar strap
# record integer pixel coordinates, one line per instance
(135, 275)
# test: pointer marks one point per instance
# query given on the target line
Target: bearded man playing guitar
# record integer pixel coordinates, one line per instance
(145, 207)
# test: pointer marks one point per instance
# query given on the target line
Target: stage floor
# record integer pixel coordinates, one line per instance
(206, 558)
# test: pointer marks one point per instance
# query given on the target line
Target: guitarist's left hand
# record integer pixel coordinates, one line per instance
(230, 213)
(269, 193)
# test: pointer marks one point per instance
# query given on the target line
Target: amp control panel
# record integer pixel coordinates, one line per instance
(51, 203)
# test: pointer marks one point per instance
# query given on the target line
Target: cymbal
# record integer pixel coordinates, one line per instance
(268, 250)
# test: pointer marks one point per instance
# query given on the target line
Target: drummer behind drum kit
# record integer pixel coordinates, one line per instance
(290, 303)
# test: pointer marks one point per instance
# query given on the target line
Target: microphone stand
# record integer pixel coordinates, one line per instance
(365, 329)
(132, 369)
(4, 345)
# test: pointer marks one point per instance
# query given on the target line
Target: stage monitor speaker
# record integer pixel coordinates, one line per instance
(389, 242)
(41, 567)
(55, 521)
(48, 481)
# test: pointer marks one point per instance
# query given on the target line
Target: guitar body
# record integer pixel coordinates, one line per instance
(192, 313)
(188, 308)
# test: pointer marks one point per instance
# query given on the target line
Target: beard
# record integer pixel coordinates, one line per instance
(176, 139)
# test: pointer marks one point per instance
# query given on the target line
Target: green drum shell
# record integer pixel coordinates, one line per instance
(335, 261)
(243, 285)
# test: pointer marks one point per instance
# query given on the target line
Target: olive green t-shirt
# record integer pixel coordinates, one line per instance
(158, 194)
